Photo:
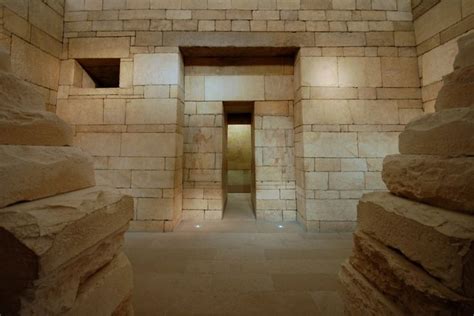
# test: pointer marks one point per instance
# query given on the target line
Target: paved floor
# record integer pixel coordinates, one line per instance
(239, 207)
(237, 267)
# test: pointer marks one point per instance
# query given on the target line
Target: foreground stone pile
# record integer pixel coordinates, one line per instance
(61, 237)
(414, 247)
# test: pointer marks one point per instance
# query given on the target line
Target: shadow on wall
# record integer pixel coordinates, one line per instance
(239, 158)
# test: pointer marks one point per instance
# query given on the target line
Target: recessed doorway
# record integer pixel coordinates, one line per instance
(239, 166)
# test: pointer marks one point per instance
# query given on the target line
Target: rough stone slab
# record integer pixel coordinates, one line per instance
(33, 172)
(440, 241)
(55, 230)
(406, 284)
(457, 90)
(17, 93)
(439, 181)
(238, 39)
(361, 297)
(57, 291)
(38, 128)
(445, 133)
(103, 292)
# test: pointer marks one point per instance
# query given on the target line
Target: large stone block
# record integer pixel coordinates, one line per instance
(400, 72)
(34, 172)
(100, 47)
(319, 71)
(359, 72)
(234, 88)
(438, 62)
(445, 133)
(58, 242)
(38, 128)
(81, 111)
(149, 145)
(443, 238)
(439, 181)
(403, 282)
(361, 297)
(377, 144)
(457, 91)
(330, 144)
(152, 111)
(150, 69)
(19, 94)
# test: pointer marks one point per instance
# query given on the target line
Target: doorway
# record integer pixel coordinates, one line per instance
(239, 161)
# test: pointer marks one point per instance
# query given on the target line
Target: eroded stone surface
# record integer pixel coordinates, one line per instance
(406, 284)
(435, 180)
(17, 93)
(445, 133)
(106, 290)
(361, 297)
(33, 172)
(438, 240)
(38, 128)
(457, 91)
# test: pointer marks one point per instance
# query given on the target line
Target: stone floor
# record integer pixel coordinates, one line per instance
(239, 207)
(237, 267)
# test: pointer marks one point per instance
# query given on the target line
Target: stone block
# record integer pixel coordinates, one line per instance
(114, 111)
(457, 90)
(346, 180)
(150, 69)
(319, 71)
(321, 144)
(194, 88)
(271, 108)
(155, 209)
(377, 144)
(439, 181)
(234, 88)
(148, 145)
(316, 180)
(99, 144)
(37, 128)
(331, 210)
(279, 88)
(439, 62)
(152, 111)
(34, 172)
(414, 290)
(337, 39)
(148, 39)
(19, 94)
(361, 297)
(444, 238)
(100, 47)
(34, 65)
(46, 19)
(153, 179)
(81, 111)
(45, 258)
(113, 178)
(209, 108)
(400, 72)
(445, 133)
(359, 72)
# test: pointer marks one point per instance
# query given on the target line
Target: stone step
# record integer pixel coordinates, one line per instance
(438, 240)
(406, 284)
(445, 133)
(19, 94)
(37, 128)
(439, 181)
(51, 246)
(361, 297)
(32, 172)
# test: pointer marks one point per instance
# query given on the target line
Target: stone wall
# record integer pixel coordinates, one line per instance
(206, 90)
(32, 32)
(438, 26)
(356, 85)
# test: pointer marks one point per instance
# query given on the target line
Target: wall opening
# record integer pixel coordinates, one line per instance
(102, 72)
(238, 165)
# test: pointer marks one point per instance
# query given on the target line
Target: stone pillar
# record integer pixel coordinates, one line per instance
(413, 250)
(61, 238)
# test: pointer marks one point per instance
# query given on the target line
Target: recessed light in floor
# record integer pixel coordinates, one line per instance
(197, 226)
(280, 226)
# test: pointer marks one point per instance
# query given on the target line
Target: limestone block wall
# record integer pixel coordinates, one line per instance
(438, 25)
(356, 85)
(207, 87)
(135, 131)
(350, 105)
(32, 32)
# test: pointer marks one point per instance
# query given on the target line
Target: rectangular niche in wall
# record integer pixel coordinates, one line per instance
(102, 72)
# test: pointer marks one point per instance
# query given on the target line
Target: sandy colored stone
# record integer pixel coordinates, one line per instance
(406, 284)
(38, 128)
(103, 292)
(465, 58)
(439, 181)
(17, 93)
(445, 133)
(361, 297)
(457, 90)
(440, 241)
(33, 172)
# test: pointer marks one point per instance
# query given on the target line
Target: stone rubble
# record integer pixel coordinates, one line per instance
(61, 237)
(413, 248)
